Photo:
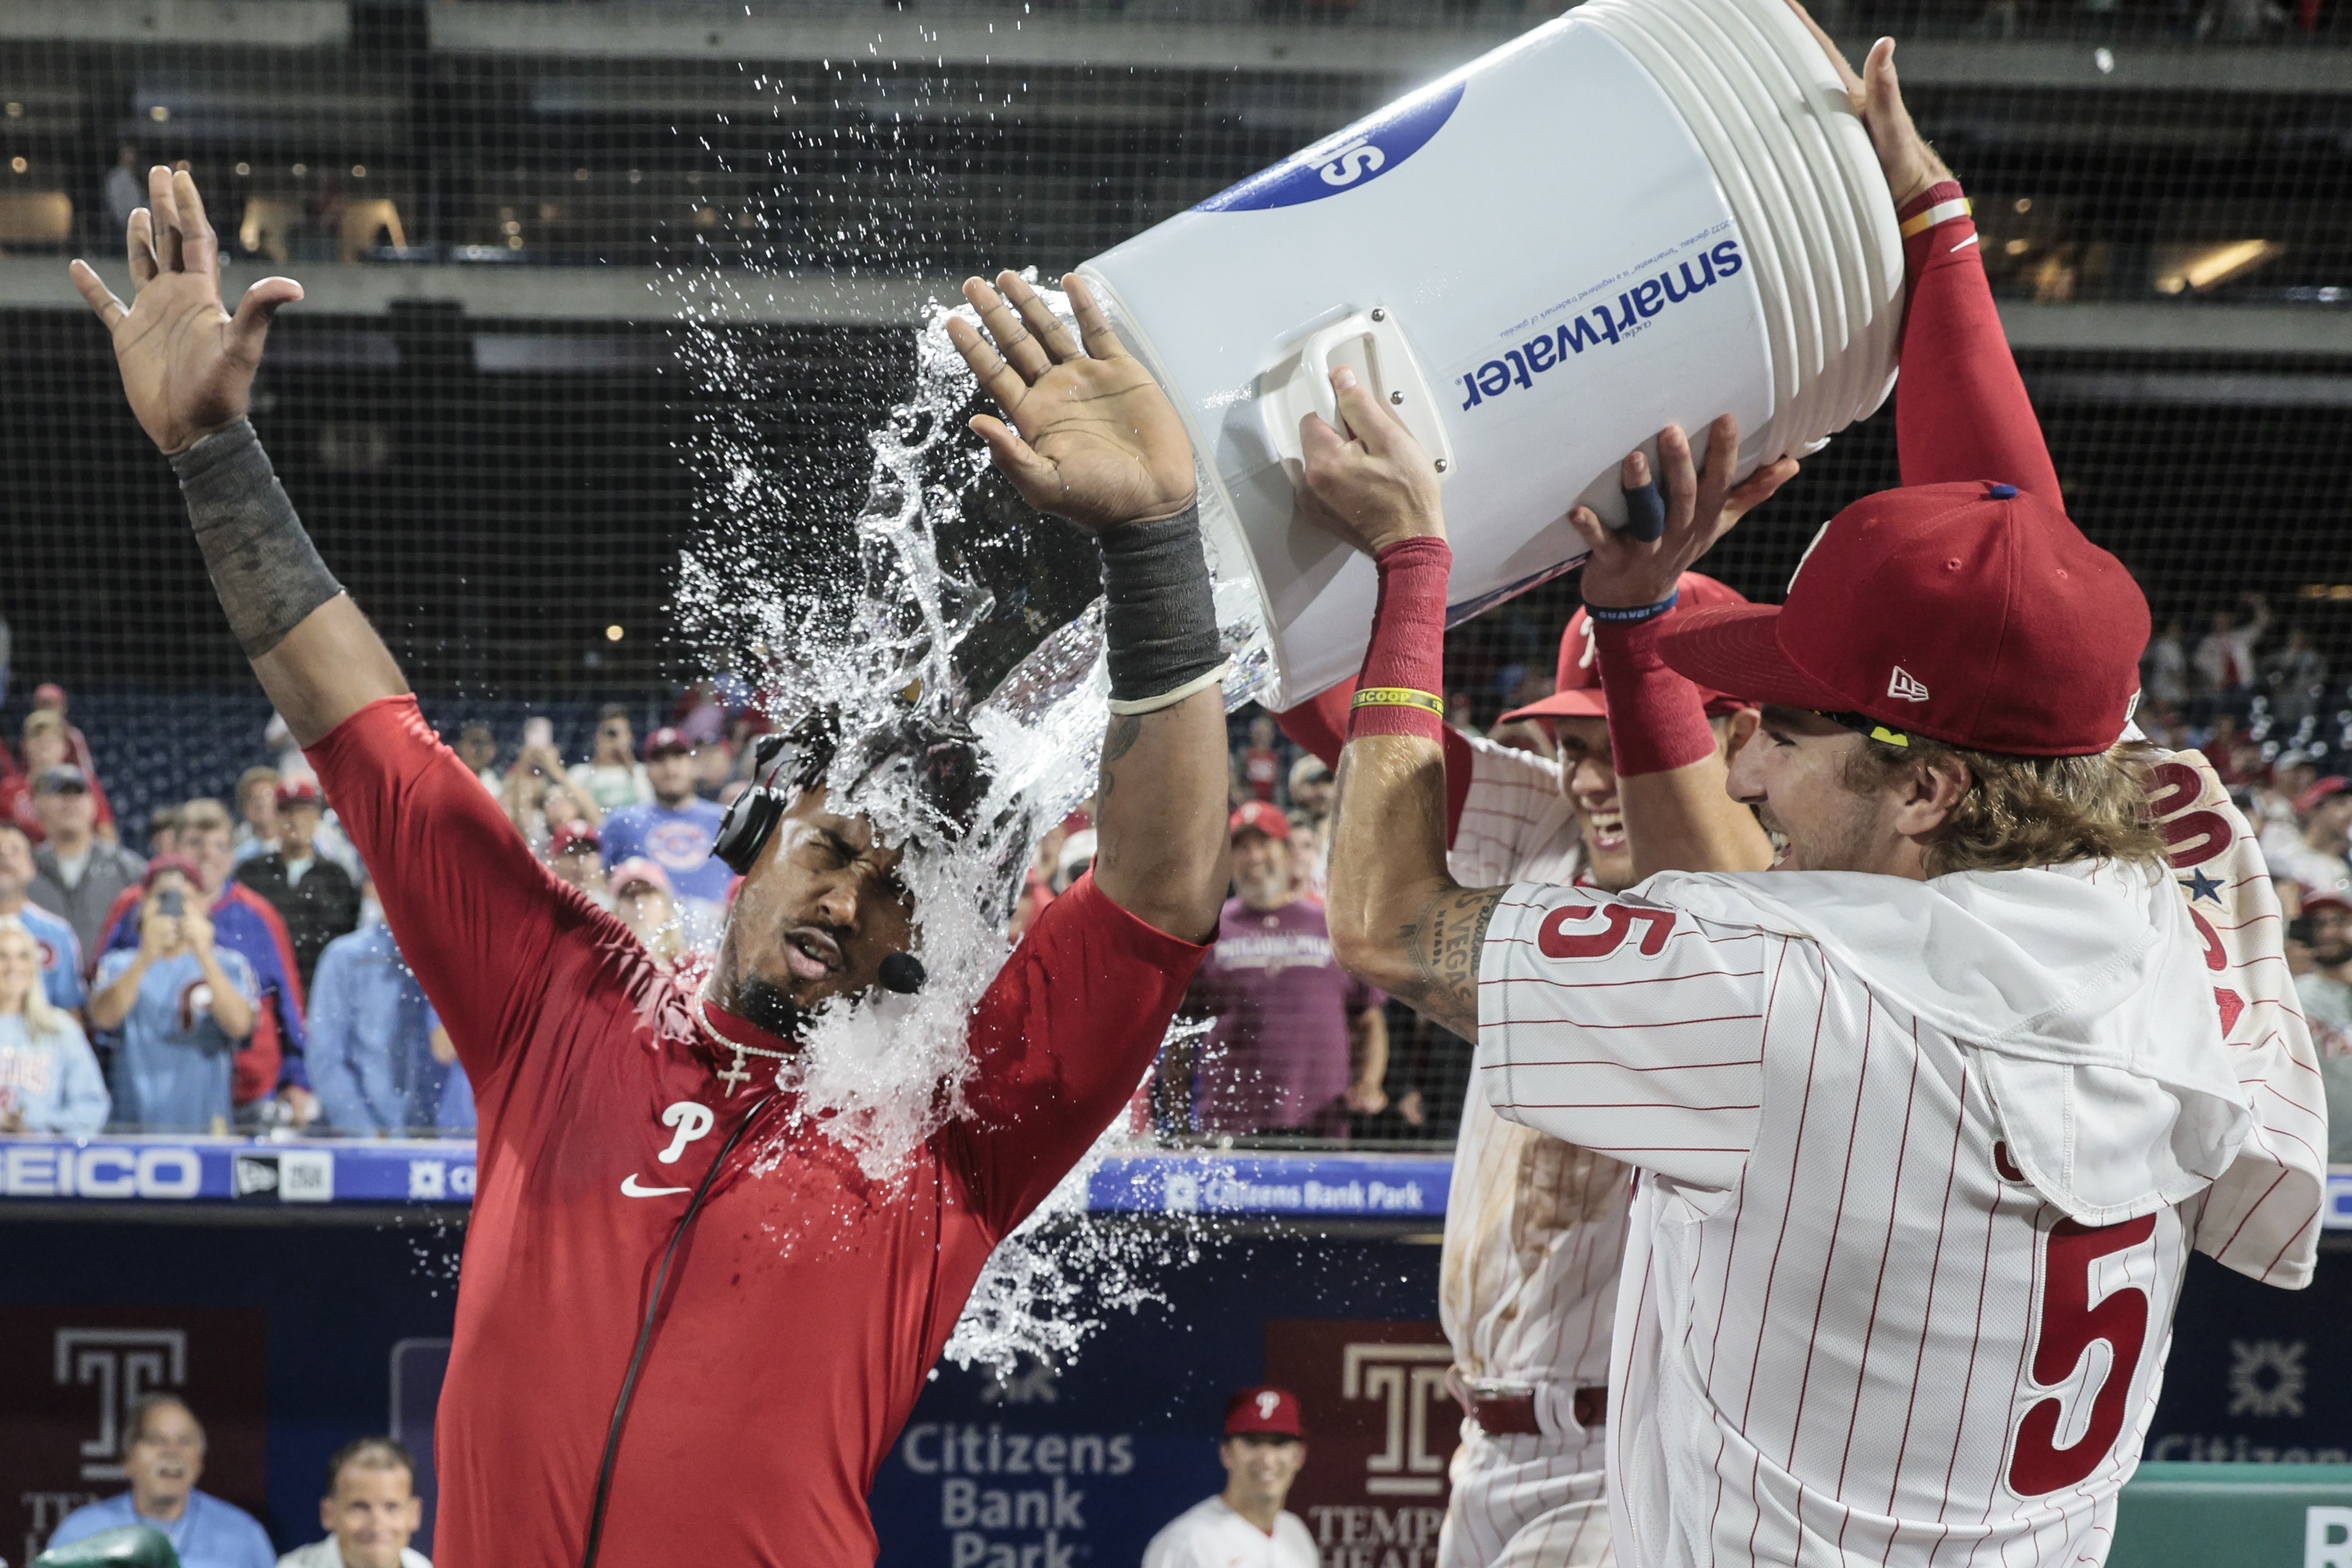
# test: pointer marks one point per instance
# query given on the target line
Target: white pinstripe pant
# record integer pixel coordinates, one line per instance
(1527, 1502)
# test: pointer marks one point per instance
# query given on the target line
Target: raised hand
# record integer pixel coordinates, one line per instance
(1909, 164)
(1375, 488)
(1701, 503)
(187, 364)
(1090, 437)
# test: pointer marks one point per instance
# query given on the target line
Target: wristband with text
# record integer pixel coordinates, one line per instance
(1398, 697)
(1637, 613)
(1404, 666)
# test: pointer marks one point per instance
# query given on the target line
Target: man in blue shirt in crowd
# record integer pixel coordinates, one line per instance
(371, 1058)
(184, 1006)
(673, 830)
(164, 1457)
(61, 949)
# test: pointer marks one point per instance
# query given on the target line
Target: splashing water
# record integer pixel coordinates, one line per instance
(918, 611)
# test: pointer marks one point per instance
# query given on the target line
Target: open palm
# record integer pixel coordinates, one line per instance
(1091, 437)
(187, 364)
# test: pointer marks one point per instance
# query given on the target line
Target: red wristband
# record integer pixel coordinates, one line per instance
(1657, 720)
(1408, 648)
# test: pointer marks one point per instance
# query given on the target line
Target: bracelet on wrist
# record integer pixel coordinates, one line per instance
(1636, 614)
(1398, 697)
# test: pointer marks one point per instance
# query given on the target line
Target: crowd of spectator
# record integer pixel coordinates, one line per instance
(228, 970)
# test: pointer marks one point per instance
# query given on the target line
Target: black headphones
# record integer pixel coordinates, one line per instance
(752, 816)
(751, 819)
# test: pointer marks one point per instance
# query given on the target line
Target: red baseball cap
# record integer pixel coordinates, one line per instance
(573, 835)
(1578, 694)
(635, 870)
(2331, 900)
(299, 792)
(666, 740)
(2310, 799)
(1274, 1411)
(1971, 613)
(1257, 816)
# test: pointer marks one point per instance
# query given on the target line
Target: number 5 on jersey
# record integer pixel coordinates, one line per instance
(2070, 1326)
(1556, 941)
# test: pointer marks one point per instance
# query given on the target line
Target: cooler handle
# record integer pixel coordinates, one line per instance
(1372, 343)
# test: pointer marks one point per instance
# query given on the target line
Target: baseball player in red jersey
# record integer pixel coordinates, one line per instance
(688, 1324)
(1928, 1119)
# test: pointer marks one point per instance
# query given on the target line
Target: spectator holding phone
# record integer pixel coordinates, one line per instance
(612, 776)
(49, 1080)
(184, 1006)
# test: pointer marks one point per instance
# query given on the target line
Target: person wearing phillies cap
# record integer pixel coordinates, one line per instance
(317, 899)
(675, 830)
(1910, 1110)
(1295, 1046)
(1244, 1525)
(576, 855)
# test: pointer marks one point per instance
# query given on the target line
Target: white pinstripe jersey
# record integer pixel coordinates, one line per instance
(1922, 1166)
(1534, 1227)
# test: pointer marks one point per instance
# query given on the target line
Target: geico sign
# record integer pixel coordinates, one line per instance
(100, 1171)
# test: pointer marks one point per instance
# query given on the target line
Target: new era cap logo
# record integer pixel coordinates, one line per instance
(1906, 685)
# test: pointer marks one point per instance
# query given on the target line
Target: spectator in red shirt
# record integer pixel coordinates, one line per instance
(689, 1324)
(1261, 764)
(48, 742)
(1295, 1043)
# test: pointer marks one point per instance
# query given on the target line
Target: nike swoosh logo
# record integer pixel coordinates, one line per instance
(629, 1189)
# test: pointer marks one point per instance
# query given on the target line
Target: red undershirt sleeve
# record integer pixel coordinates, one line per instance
(1318, 726)
(475, 914)
(1060, 1043)
(1961, 413)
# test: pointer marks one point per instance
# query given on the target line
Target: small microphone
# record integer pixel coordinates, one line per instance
(903, 973)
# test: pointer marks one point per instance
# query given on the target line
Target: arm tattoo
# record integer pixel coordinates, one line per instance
(1444, 945)
(1118, 740)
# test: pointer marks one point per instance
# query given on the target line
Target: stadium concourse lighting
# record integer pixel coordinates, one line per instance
(615, 633)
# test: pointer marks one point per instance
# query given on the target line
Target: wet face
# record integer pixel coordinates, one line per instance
(1588, 777)
(672, 776)
(373, 1512)
(2331, 936)
(20, 970)
(1262, 869)
(165, 1460)
(1260, 1467)
(1791, 771)
(215, 852)
(818, 914)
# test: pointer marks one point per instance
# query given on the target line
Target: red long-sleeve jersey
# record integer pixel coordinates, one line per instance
(804, 1307)
(1961, 412)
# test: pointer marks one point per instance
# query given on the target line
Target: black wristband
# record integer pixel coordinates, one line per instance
(1160, 614)
(263, 566)
(1631, 614)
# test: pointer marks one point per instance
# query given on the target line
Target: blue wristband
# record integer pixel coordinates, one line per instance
(1639, 613)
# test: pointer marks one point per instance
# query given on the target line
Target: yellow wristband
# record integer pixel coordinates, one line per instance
(1942, 212)
(1399, 697)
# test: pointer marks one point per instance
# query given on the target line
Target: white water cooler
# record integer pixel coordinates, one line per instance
(1646, 212)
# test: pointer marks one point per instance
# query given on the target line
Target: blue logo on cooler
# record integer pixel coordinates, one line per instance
(1355, 157)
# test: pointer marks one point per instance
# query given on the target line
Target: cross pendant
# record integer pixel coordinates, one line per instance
(734, 1074)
